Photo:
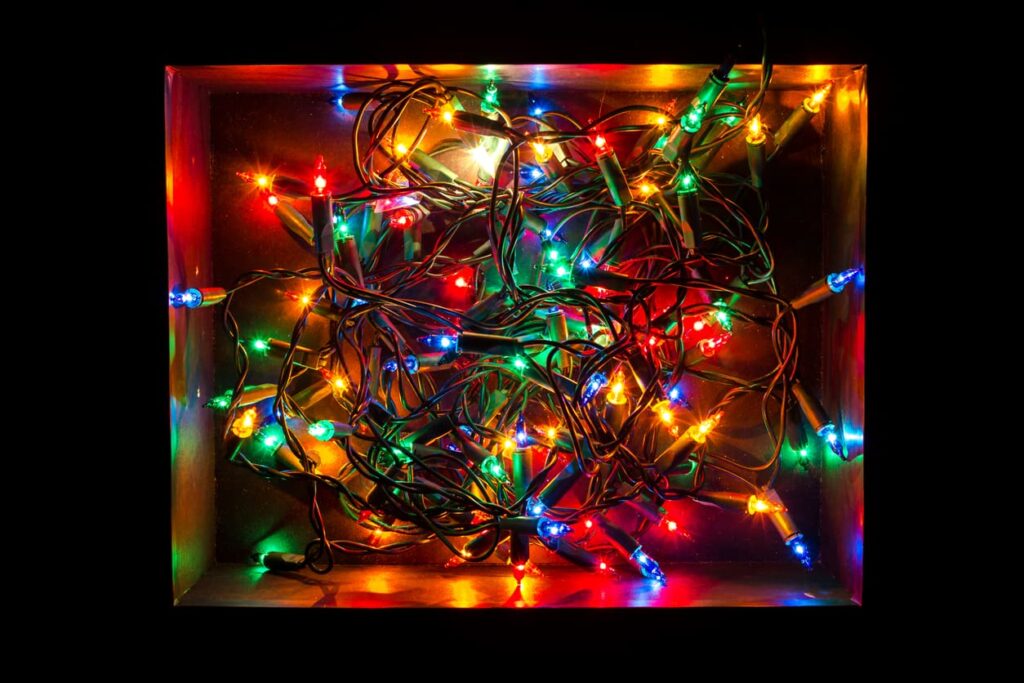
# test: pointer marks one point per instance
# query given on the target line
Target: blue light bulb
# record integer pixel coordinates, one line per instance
(549, 529)
(548, 234)
(801, 550)
(648, 567)
(586, 262)
(521, 437)
(411, 364)
(828, 432)
(597, 382)
(440, 341)
(340, 102)
(190, 298)
(677, 397)
(837, 281)
(535, 508)
(536, 174)
(537, 111)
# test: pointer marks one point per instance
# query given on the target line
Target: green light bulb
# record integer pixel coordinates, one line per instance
(662, 141)
(271, 438)
(340, 230)
(519, 363)
(492, 466)
(220, 402)
(694, 117)
(561, 272)
(260, 345)
(687, 184)
(803, 452)
(722, 315)
(490, 101)
(322, 430)
(554, 255)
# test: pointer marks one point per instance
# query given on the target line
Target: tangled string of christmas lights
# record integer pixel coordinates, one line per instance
(438, 410)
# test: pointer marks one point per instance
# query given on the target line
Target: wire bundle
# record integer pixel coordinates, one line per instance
(564, 352)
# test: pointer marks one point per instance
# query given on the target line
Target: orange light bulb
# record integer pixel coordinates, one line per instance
(756, 504)
(541, 151)
(755, 131)
(262, 181)
(243, 426)
(813, 103)
(616, 391)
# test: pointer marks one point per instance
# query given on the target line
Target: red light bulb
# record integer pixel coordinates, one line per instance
(518, 572)
(600, 142)
(272, 199)
(320, 179)
(403, 218)
(461, 282)
(671, 525)
(603, 566)
(589, 523)
(710, 346)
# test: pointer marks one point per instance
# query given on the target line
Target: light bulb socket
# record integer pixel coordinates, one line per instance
(796, 120)
(294, 222)
(489, 344)
(811, 408)
(614, 178)
(689, 215)
(556, 489)
(755, 162)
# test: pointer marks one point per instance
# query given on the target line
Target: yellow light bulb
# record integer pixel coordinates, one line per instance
(699, 432)
(262, 180)
(552, 433)
(447, 115)
(541, 151)
(305, 299)
(646, 189)
(339, 383)
(813, 103)
(482, 156)
(755, 131)
(616, 392)
(756, 504)
(662, 120)
(663, 409)
(243, 426)
(401, 150)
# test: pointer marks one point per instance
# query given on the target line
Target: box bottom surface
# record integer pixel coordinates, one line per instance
(386, 586)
